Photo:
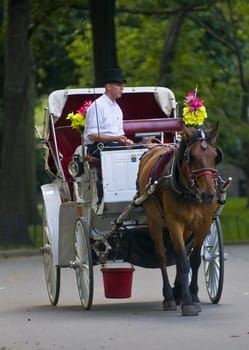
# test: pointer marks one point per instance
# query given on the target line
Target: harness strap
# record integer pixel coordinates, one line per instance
(170, 181)
(156, 171)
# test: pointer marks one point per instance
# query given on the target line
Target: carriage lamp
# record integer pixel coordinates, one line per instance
(75, 167)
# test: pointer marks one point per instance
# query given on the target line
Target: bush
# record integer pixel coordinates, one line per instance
(235, 220)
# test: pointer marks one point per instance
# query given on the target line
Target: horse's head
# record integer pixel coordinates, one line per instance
(198, 158)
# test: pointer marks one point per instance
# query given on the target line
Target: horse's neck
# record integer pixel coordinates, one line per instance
(181, 177)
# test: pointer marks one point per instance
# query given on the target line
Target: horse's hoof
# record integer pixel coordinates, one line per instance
(197, 306)
(169, 305)
(178, 301)
(189, 310)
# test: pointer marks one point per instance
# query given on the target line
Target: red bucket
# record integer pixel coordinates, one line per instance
(117, 282)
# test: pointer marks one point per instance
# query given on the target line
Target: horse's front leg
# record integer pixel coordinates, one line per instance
(169, 303)
(182, 279)
(195, 261)
(157, 236)
(182, 290)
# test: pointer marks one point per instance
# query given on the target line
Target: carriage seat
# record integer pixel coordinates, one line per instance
(165, 127)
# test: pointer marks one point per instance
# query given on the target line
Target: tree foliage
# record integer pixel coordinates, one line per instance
(156, 42)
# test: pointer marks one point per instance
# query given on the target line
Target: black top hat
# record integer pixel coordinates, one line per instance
(113, 75)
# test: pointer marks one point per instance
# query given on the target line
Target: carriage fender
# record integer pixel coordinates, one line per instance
(52, 201)
(69, 212)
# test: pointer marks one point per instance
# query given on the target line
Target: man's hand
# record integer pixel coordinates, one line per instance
(123, 139)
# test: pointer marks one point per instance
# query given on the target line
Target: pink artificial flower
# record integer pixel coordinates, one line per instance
(190, 96)
(196, 103)
(83, 109)
(192, 102)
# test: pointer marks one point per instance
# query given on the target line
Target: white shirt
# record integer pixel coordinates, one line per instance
(105, 117)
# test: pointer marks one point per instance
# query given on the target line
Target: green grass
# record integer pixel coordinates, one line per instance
(235, 220)
(35, 233)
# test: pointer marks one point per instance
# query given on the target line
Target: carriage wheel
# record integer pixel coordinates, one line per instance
(213, 258)
(83, 264)
(52, 272)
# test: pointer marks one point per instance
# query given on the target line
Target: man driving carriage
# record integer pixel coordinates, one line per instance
(104, 119)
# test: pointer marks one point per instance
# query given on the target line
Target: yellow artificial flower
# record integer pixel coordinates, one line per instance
(194, 112)
(78, 120)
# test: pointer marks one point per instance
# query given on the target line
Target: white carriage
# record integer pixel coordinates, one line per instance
(83, 228)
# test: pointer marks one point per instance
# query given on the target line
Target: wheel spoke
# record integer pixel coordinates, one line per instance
(83, 265)
(213, 258)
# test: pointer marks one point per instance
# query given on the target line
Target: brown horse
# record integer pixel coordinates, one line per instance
(184, 200)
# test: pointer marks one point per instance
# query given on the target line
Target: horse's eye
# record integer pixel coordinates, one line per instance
(191, 158)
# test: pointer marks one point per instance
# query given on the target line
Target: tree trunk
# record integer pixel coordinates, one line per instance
(104, 36)
(17, 202)
(170, 43)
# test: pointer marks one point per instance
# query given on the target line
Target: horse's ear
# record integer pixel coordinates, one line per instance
(186, 131)
(214, 132)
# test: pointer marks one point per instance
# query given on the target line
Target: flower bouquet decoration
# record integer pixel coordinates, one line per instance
(194, 111)
(78, 119)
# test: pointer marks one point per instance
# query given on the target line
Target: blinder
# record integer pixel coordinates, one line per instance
(219, 157)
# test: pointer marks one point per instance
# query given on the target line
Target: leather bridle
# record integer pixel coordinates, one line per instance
(194, 174)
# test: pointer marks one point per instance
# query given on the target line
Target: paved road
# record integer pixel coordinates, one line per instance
(28, 321)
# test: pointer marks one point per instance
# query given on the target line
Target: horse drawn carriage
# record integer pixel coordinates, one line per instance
(94, 212)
